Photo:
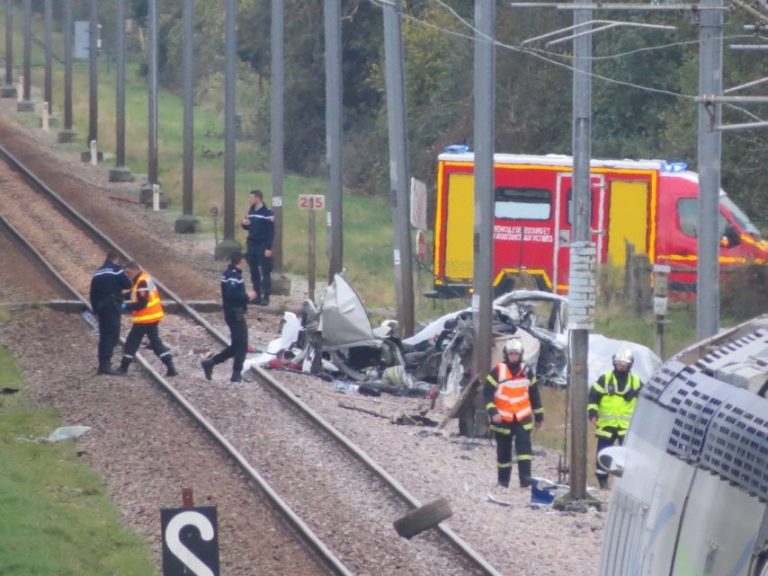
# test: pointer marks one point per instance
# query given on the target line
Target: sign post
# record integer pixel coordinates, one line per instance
(190, 539)
(312, 203)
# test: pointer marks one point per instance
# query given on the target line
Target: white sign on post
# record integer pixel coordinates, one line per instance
(418, 204)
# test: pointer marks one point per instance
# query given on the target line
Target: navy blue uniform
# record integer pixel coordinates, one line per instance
(106, 295)
(261, 233)
(235, 302)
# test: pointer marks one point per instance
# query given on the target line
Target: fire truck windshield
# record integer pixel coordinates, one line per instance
(741, 218)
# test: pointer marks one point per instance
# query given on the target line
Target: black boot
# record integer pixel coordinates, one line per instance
(602, 480)
(168, 361)
(123, 370)
(106, 369)
(207, 364)
(524, 473)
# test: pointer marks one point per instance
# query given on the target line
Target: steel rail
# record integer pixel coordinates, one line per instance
(353, 449)
(374, 467)
(326, 556)
(47, 265)
(103, 238)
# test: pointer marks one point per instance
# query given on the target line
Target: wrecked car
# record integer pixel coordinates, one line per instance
(338, 339)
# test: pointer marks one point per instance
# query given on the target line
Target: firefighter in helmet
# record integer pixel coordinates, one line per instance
(514, 405)
(610, 405)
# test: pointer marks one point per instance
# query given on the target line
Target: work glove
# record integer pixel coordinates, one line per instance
(629, 395)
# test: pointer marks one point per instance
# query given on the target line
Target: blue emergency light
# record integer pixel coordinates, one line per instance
(674, 166)
(457, 149)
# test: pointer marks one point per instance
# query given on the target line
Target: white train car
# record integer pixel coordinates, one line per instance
(691, 500)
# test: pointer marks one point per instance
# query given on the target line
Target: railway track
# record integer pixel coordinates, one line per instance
(330, 492)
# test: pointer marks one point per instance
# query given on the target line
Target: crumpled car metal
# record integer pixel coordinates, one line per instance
(339, 338)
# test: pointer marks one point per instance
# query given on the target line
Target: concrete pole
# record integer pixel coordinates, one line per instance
(581, 278)
(120, 173)
(399, 173)
(280, 283)
(93, 75)
(67, 135)
(710, 84)
(48, 81)
(187, 222)
(485, 104)
(148, 188)
(152, 160)
(9, 89)
(228, 244)
(333, 134)
(26, 104)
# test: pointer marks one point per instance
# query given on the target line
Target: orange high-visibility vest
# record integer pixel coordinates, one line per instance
(511, 397)
(153, 311)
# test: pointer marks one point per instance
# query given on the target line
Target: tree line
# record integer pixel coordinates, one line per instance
(643, 88)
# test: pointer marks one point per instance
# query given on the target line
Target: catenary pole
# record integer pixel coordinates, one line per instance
(710, 84)
(67, 134)
(482, 297)
(152, 160)
(277, 113)
(398, 165)
(581, 275)
(48, 79)
(120, 84)
(229, 242)
(281, 284)
(26, 104)
(120, 173)
(9, 90)
(187, 222)
(333, 135)
(93, 74)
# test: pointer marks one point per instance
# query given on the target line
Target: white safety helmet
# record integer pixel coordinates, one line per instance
(624, 356)
(513, 346)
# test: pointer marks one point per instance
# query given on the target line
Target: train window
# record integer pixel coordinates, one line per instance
(523, 204)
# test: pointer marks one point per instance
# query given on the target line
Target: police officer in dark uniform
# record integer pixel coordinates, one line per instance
(106, 295)
(235, 302)
(260, 224)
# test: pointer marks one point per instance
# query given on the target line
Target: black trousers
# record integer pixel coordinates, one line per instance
(261, 269)
(523, 449)
(109, 334)
(238, 332)
(605, 442)
(136, 335)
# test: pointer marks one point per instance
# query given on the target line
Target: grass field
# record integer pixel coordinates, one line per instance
(57, 516)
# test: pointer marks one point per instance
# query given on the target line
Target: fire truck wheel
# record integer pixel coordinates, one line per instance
(423, 518)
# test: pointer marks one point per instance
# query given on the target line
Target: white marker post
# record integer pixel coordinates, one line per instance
(46, 125)
(155, 197)
(20, 91)
(94, 154)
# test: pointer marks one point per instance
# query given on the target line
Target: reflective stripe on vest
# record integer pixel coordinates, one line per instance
(613, 410)
(511, 396)
(153, 311)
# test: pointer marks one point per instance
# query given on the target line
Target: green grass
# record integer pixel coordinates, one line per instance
(57, 517)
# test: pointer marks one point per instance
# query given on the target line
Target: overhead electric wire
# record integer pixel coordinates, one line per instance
(547, 56)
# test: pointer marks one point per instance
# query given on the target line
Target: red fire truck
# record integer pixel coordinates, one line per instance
(651, 204)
